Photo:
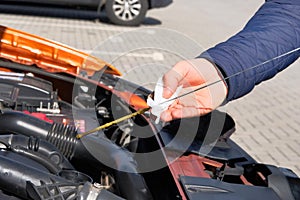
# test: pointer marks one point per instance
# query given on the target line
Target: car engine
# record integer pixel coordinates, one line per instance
(46, 100)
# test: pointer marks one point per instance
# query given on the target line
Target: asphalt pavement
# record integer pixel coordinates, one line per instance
(267, 119)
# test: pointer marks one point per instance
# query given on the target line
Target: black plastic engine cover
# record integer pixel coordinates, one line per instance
(202, 188)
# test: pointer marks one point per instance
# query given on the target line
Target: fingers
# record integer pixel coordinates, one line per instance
(166, 116)
(192, 74)
(192, 105)
(185, 112)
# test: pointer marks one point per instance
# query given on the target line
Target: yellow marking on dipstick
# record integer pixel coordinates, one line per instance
(139, 112)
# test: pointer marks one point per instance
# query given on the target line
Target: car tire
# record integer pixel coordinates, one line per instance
(126, 12)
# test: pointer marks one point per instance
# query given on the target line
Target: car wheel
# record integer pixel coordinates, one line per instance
(126, 12)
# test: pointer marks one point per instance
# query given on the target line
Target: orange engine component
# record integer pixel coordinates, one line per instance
(29, 49)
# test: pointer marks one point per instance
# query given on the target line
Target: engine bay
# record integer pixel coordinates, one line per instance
(49, 93)
(42, 159)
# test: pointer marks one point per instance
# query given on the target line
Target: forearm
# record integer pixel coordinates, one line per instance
(272, 31)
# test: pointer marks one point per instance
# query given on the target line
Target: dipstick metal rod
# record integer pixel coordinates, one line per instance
(139, 112)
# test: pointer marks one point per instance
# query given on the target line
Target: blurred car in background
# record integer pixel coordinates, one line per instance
(121, 12)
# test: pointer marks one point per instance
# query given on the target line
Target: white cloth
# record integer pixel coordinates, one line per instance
(159, 104)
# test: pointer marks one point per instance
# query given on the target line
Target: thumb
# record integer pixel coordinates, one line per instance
(170, 84)
(172, 80)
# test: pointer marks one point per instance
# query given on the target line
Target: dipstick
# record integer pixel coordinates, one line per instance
(139, 112)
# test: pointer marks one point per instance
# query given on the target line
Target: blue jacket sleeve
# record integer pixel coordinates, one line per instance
(272, 31)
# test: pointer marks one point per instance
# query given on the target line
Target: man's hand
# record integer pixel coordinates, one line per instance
(191, 74)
